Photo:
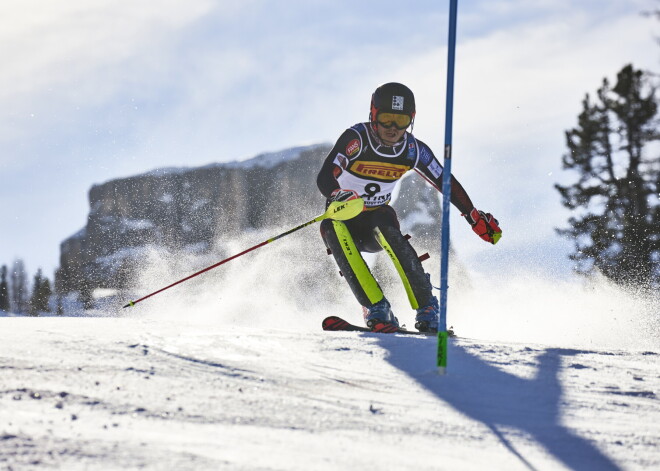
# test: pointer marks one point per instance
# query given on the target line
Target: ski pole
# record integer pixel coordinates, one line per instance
(338, 210)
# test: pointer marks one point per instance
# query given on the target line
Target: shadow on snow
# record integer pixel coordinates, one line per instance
(502, 400)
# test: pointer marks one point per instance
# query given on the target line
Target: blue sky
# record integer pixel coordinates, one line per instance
(95, 90)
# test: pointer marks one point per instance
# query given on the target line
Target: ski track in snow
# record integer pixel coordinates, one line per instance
(138, 393)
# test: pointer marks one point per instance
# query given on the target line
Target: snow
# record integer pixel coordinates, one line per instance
(166, 198)
(113, 393)
(198, 204)
(271, 159)
(128, 224)
(126, 253)
(421, 216)
(545, 374)
(197, 248)
(266, 160)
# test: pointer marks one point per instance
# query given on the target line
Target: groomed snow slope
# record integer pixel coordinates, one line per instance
(113, 393)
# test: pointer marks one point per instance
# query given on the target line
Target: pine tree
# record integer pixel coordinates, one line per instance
(34, 299)
(58, 284)
(41, 293)
(4, 290)
(45, 293)
(616, 228)
(59, 309)
(18, 288)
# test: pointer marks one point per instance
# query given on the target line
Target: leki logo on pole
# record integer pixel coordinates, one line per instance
(339, 208)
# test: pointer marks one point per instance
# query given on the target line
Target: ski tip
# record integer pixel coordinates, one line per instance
(334, 323)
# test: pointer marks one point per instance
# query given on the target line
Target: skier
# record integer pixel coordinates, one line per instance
(367, 161)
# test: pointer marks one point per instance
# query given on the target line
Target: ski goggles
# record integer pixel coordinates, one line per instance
(399, 121)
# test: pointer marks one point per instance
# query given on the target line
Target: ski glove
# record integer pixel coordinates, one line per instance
(341, 194)
(484, 225)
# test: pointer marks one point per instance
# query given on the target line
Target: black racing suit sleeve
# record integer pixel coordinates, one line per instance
(427, 161)
(327, 177)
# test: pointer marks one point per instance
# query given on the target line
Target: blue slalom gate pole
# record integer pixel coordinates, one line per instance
(446, 192)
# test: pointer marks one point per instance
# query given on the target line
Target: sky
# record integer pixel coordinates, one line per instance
(96, 90)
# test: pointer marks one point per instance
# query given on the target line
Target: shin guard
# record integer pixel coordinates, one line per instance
(407, 264)
(338, 239)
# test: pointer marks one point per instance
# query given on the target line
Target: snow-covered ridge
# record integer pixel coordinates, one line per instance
(271, 159)
(265, 160)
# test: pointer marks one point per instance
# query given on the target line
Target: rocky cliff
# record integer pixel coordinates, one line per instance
(194, 209)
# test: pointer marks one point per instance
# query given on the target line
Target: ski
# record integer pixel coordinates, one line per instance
(335, 323)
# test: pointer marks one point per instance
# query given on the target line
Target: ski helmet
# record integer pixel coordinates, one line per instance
(392, 97)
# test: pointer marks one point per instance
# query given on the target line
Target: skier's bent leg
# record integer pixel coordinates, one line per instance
(364, 286)
(407, 264)
(415, 280)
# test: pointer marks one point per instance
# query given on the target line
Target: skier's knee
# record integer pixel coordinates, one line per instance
(326, 229)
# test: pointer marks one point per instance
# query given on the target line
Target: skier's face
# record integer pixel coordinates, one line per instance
(389, 136)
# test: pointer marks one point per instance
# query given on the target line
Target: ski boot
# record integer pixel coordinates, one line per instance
(380, 312)
(426, 319)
